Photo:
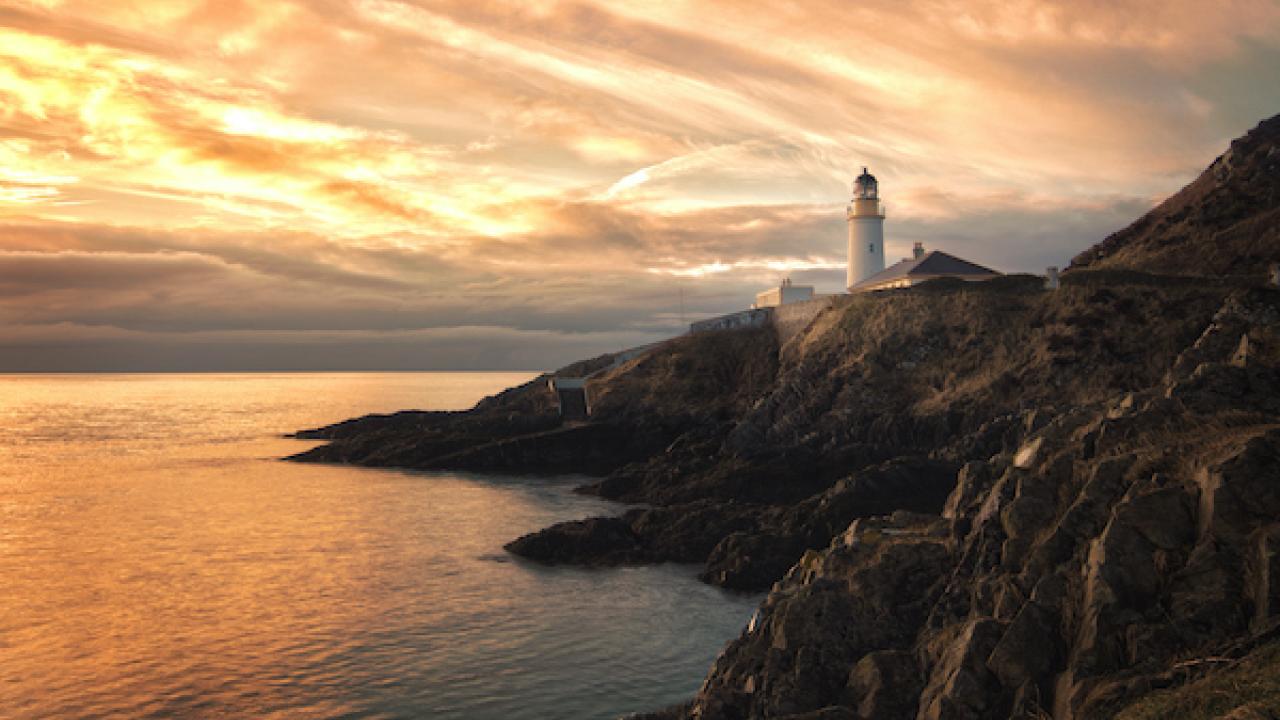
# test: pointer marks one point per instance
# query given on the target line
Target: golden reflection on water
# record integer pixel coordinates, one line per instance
(158, 560)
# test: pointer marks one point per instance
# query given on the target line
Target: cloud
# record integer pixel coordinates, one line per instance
(70, 348)
(561, 176)
(589, 268)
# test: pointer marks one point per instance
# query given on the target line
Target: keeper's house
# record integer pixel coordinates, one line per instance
(921, 267)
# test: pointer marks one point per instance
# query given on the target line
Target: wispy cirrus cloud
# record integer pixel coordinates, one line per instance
(573, 175)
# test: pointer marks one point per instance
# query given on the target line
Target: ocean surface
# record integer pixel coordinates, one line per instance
(157, 559)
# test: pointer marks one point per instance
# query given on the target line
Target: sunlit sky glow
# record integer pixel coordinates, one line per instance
(228, 184)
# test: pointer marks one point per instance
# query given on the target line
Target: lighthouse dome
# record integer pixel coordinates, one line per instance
(865, 186)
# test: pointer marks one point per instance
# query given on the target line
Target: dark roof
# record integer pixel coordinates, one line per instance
(933, 264)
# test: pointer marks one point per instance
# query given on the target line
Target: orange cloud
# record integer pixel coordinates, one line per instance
(561, 153)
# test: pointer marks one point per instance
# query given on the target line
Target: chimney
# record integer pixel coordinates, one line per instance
(917, 251)
(1051, 280)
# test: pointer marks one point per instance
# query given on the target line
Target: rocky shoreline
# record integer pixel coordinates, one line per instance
(967, 500)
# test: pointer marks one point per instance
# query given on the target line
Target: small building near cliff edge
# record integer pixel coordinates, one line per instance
(783, 294)
(924, 266)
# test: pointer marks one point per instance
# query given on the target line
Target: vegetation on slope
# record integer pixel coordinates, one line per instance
(1246, 688)
(1224, 224)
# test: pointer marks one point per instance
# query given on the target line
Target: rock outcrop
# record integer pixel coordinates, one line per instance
(637, 411)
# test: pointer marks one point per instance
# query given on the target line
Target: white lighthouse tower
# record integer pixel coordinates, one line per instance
(866, 230)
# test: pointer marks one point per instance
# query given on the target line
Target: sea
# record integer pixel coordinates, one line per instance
(158, 559)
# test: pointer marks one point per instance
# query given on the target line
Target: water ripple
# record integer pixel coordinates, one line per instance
(158, 562)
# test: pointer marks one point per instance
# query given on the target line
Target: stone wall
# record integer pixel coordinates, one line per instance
(734, 321)
(791, 319)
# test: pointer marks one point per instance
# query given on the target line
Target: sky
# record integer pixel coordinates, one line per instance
(214, 185)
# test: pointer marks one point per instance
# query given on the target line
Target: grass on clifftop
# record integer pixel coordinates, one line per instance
(716, 374)
(1247, 690)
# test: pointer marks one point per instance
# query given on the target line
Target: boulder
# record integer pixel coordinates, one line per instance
(1262, 575)
(959, 685)
(1241, 492)
(883, 685)
(1029, 649)
(593, 541)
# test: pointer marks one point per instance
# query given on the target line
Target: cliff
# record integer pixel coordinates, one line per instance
(638, 409)
(1119, 545)
(969, 500)
(874, 408)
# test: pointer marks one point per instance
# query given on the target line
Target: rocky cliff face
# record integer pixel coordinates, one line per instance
(638, 410)
(1064, 577)
(873, 408)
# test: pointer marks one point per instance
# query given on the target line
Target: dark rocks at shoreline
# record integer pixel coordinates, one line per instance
(638, 410)
(593, 541)
(754, 559)
(650, 535)
(743, 546)
(495, 441)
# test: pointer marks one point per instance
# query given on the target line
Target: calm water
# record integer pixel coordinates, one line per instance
(157, 560)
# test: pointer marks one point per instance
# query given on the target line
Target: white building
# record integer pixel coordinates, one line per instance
(924, 266)
(866, 230)
(783, 294)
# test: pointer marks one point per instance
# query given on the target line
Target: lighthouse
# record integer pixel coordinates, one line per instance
(866, 230)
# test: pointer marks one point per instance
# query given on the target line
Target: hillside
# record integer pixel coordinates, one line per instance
(1225, 223)
(967, 500)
